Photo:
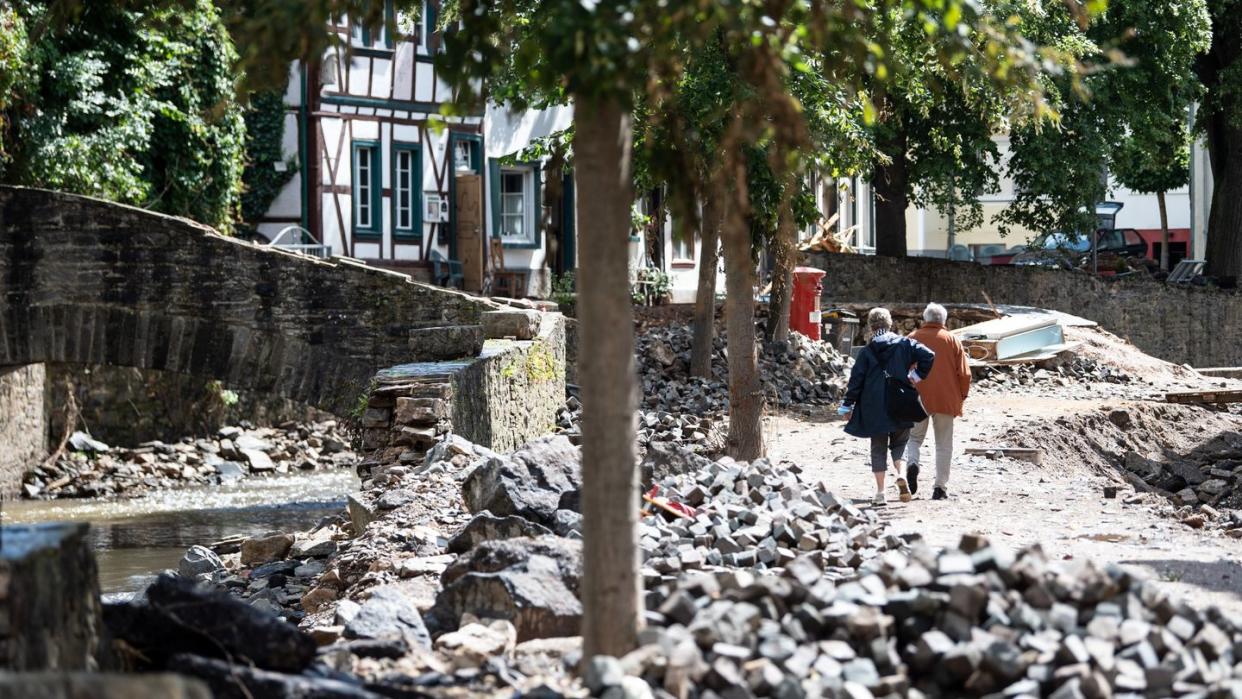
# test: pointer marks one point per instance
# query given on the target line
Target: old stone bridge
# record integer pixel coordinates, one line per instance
(90, 282)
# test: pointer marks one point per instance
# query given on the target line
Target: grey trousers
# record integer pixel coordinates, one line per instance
(893, 443)
(942, 425)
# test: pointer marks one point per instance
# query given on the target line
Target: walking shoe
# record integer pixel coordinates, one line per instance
(912, 476)
(878, 500)
(939, 494)
(903, 490)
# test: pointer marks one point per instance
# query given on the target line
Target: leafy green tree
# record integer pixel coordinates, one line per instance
(1155, 94)
(1220, 120)
(132, 106)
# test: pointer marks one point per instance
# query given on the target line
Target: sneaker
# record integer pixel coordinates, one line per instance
(878, 500)
(939, 494)
(903, 490)
(912, 476)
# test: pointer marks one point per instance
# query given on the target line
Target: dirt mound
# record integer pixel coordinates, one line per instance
(1190, 455)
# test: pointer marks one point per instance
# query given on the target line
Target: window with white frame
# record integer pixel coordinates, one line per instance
(366, 187)
(373, 37)
(406, 186)
(683, 248)
(517, 206)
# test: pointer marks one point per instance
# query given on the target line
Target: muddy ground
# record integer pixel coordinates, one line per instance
(1060, 503)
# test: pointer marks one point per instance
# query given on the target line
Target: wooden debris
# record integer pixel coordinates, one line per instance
(1204, 397)
(1034, 456)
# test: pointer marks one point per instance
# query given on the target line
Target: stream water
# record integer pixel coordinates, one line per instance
(136, 539)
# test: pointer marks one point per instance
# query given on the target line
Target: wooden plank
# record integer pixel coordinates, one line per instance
(1034, 456)
(1222, 372)
(1203, 397)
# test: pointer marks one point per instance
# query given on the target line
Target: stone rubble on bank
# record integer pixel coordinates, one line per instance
(798, 372)
(94, 469)
(772, 587)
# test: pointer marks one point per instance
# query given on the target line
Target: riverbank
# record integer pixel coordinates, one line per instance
(136, 538)
(87, 468)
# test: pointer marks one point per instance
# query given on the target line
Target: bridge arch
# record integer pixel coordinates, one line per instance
(85, 281)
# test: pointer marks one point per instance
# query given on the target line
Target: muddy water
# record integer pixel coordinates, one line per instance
(136, 539)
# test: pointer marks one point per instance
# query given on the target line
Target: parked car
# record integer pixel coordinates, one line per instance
(1054, 250)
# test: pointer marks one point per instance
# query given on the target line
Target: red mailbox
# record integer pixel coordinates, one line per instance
(804, 307)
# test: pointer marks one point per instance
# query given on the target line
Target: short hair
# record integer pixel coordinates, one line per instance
(879, 319)
(935, 313)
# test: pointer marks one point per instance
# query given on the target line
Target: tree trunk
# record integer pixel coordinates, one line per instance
(1164, 233)
(889, 183)
(611, 586)
(745, 441)
(785, 257)
(705, 295)
(1224, 239)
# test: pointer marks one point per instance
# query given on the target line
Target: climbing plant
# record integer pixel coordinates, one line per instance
(265, 133)
(133, 105)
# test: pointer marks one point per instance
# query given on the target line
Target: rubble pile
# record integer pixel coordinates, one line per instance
(701, 434)
(1208, 478)
(755, 516)
(757, 583)
(798, 372)
(90, 468)
(972, 621)
(1073, 371)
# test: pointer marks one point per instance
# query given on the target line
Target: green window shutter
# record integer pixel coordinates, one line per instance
(493, 184)
(537, 178)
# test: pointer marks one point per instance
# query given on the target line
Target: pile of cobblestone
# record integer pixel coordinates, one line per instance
(91, 468)
(970, 621)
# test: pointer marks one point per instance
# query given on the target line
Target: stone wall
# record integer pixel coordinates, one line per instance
(1192, 325)
(511, 394)
(127, 406)
(89, 282)
(500, 400)
(50, 616)
(23, 430)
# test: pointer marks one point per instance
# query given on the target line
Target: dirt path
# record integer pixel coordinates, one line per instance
(1058, 505)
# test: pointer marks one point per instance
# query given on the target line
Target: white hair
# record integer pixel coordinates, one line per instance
(935, 313)
(879, 319)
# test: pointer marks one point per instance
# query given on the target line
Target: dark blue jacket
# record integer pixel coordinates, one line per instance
(886, 352)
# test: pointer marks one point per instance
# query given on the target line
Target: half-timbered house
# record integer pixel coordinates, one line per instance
(385, 178)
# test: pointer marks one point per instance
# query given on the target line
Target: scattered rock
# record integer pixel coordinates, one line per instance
(474, 644)
(487, 527)
(389, 614)
(530, 482)
(199, 560)
(265, 549)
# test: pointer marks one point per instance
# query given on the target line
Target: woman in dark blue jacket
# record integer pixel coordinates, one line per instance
(900, 357)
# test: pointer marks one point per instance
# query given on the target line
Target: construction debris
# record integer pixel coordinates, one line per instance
(1205, 397)
(1013, 338)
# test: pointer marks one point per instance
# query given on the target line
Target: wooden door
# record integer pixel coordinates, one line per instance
(470, 236)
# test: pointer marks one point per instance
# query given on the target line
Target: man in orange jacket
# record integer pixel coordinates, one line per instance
(943, 392)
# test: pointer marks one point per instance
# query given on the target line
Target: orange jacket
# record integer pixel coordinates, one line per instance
(945, 389)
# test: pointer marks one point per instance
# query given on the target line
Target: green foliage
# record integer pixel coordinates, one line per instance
(1133, 123)
(132, 106)
(1163, 41)
(651, 286)
(563, 289)
(265, 132)
(13, 67)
